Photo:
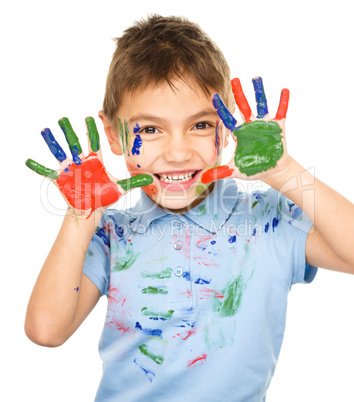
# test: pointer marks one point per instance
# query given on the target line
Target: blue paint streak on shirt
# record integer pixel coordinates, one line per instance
(138, 142)
(258, 195)
(201, 281)
(254, 232)
(187, 276)
(149, 374)
(291, 204)
(101, 234)
(275, 223)
(53, 145)
(297, 212)
(232, 239)
(213, 242)
(149, 331)
(266, 227)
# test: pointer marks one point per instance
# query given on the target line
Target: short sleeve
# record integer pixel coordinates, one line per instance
(286, 228)
(97, 259)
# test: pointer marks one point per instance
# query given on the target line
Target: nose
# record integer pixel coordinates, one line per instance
(178, 149)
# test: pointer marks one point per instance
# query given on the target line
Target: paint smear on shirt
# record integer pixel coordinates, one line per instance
(149, 374)
(125, 261)
(231, 302)
(199, 359)
(151, 290)
(158, 359)
(165, 274)
(157, 315)
(149, 331)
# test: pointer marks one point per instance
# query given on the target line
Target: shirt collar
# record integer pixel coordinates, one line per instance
(211, 214)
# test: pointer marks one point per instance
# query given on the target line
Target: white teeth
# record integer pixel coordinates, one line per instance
(176, 179)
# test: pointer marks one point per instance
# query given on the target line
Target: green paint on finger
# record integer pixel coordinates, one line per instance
(139, 180)
(158, 359)
(259, 146)
(71, 138)
(42, 170)
(165, 274)
(93, 134)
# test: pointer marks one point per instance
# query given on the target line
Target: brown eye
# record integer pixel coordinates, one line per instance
(149, 130)
(201, 126)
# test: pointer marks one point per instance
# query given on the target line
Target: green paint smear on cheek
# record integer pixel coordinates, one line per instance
(229, 305)
(127, 135)
(121, 130)
(165, 274)
(158, 359)
(126, 261)
(259, 146)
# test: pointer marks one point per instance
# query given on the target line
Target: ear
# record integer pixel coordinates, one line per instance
(112, 136)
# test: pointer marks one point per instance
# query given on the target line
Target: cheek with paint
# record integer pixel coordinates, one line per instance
(88, 185)
(138, 142)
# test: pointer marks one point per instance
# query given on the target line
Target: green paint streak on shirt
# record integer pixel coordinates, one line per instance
(126, 261)
(121, 130)
(154, 291)
(158, 359)
(229, 305)
(149, 313)
(255, 203)
(157, 260)
(202, 210)
(166, 273)
(259, 146)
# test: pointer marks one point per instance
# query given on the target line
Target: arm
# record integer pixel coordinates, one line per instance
(331, 243)
(261, 154)
(62, 296)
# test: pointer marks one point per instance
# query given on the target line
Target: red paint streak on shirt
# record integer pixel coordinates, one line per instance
(87, 186)
(217, 173)
(115, 323)
(198, 359)
(208, 293)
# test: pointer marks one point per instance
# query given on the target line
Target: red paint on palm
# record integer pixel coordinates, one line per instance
(217, 173)
(241, 100)
(283, 105)
(87, 186)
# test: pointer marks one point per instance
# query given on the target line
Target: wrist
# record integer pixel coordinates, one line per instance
(288, 178)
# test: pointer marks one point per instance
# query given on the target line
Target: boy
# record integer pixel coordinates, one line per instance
(197, 273)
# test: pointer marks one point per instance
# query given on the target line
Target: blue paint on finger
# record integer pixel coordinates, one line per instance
(53, 145)
(224, 113)
(262, 107)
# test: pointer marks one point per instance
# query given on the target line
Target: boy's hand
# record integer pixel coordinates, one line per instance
(261, 147)
(83, 180)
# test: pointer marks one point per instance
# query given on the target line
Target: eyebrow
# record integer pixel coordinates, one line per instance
(161, 120)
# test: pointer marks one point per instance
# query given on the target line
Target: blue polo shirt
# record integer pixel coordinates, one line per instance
(197, 301)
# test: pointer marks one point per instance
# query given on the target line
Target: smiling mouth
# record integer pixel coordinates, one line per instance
(177, 178)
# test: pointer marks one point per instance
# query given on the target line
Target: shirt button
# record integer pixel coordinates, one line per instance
(177, 245)
(179, 271)
(178, 225)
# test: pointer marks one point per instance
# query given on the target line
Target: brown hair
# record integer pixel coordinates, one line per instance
(159, 49)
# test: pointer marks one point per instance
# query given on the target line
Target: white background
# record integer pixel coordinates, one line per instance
(55, 57)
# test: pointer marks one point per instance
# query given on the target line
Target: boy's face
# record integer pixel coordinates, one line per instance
(172, 134)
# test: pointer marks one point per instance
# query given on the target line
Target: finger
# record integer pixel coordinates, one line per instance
(53, 145)
(262, 107)
(42, 170)
(71, 139)
(283, 105)
(241, 100)
(139, 180)
(217, 173)
(93, 134)
(224, 113)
